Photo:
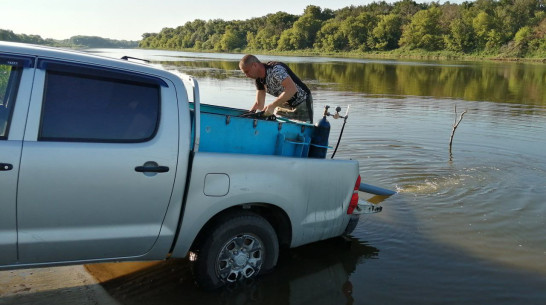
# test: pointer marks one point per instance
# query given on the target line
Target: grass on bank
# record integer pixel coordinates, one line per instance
(401, 53)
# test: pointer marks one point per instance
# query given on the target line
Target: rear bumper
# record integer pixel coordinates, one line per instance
(353, 221)
(363, 207)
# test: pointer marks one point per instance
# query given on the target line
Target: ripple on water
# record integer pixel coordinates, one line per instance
(487, 200)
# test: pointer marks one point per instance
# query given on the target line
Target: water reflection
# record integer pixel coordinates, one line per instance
(506, 82)
(314, 274)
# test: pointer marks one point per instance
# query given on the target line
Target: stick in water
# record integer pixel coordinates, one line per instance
(455, 125)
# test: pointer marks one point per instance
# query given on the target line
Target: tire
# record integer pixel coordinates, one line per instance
(240, 247)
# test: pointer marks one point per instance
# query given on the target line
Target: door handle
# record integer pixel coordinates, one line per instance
(5, 167)
(152, 169)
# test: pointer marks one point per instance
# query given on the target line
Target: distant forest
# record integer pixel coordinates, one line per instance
(505, 28)
(491, 28)
(72, 42)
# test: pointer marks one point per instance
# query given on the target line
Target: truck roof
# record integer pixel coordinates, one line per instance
(81, 57)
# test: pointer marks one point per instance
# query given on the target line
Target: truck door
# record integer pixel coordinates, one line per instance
(98, 163)
(13, 107)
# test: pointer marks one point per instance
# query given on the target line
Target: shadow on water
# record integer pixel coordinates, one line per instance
(313, 274)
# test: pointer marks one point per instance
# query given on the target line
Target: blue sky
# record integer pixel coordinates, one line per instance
(129, 19)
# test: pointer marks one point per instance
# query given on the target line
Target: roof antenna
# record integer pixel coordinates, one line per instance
(129, 57)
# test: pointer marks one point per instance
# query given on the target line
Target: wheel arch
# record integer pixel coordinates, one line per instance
(276, 216)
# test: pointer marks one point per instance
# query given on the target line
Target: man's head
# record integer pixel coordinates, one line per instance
(252, 67)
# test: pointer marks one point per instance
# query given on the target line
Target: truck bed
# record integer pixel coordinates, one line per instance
(224, 130)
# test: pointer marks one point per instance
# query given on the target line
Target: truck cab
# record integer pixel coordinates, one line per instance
(76, 135)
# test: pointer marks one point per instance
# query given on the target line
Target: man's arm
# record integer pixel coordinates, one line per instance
(260, 101)
(289, 90)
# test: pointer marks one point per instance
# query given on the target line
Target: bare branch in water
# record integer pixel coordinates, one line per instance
(455, 125)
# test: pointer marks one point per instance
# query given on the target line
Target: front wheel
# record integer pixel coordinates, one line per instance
(240, 247)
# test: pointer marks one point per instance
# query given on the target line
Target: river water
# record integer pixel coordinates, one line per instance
(466, 227)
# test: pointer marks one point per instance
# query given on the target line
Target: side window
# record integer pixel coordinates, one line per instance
(10, 75)
(98, 106)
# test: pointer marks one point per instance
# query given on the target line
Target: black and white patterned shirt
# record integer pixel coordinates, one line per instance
(275, 74)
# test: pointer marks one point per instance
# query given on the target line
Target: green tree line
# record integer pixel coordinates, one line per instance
(511, 28)
(73, 42)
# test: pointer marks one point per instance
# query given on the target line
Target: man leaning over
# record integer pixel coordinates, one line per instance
(293, 97)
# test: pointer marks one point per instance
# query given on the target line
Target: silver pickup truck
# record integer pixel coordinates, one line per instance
(109, 160)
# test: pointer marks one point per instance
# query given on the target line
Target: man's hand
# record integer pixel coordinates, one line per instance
(260, 101)
(269, 109)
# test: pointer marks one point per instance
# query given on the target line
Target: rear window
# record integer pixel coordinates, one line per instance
(97, 106)
(10, 75)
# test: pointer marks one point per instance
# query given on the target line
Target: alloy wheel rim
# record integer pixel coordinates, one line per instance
(240, 258)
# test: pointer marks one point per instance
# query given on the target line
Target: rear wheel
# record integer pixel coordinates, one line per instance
(238, 248)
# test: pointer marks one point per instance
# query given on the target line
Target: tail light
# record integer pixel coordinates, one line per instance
(354, 198)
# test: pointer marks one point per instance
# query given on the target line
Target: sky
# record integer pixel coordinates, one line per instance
(129, 19)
